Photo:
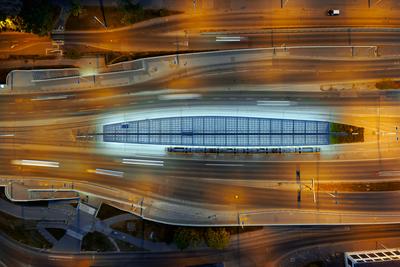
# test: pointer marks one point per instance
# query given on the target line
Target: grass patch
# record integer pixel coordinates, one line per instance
(57, 233)
(106, 211)
(315, 264)
(147, 230)
(96, 242)
(22, 231)
(115, 17)
(344, 133)
(387, 84)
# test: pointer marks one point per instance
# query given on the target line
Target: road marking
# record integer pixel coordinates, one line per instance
(38, 163)
(143, 162)
(221, 164)
(3, 264)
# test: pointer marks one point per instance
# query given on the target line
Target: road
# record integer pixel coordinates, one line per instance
(191, 31)
(261, 248)
(194, 180)
(256, 29)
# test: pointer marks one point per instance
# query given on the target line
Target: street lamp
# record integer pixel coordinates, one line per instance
(102, 24)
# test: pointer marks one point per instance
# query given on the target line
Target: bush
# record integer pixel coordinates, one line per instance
(72, 54)
(76, 8)
(187, 237)
(217, 238)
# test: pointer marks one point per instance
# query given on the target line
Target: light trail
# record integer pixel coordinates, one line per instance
(143, 162)
(226, 165)
(389, 173)
(108, 172)
(228, 39)
(7, 135)
(274, 103)
(38, 163)
(56, 97)
(179, 96)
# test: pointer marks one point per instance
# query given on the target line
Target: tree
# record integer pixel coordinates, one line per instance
(9, 8)
(38, 16)
(187, 237)
(131, 12)
(217, 238)
(76, 8)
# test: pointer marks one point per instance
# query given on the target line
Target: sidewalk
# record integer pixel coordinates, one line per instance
(163, 67)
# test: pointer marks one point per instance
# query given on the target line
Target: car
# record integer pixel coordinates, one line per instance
(333, 12)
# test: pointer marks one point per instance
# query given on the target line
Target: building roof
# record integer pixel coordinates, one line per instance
(371, 258)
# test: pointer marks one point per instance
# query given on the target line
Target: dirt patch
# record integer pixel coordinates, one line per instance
(106, 211)
(22, 231)
(96, 242)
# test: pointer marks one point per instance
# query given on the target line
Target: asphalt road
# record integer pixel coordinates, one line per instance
(194, 179)
(256, 29)
(261, 248)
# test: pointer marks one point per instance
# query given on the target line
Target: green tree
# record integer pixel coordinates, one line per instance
(76, 8)
(217, 238)
(131, 12)
(186, 237)
(38, 16)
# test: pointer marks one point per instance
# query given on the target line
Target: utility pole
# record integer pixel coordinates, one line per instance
(335, 196)
(298, 181)
(177, 50)
(283, 3)
(141, 207)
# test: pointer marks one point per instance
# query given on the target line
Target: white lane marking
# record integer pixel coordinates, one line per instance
(109, 172)
(222, 164)
(7, 135)
(143, 162)
(38, 163)
(3, 264)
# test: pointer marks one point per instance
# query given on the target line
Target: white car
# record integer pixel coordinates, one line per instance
(333, 12)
